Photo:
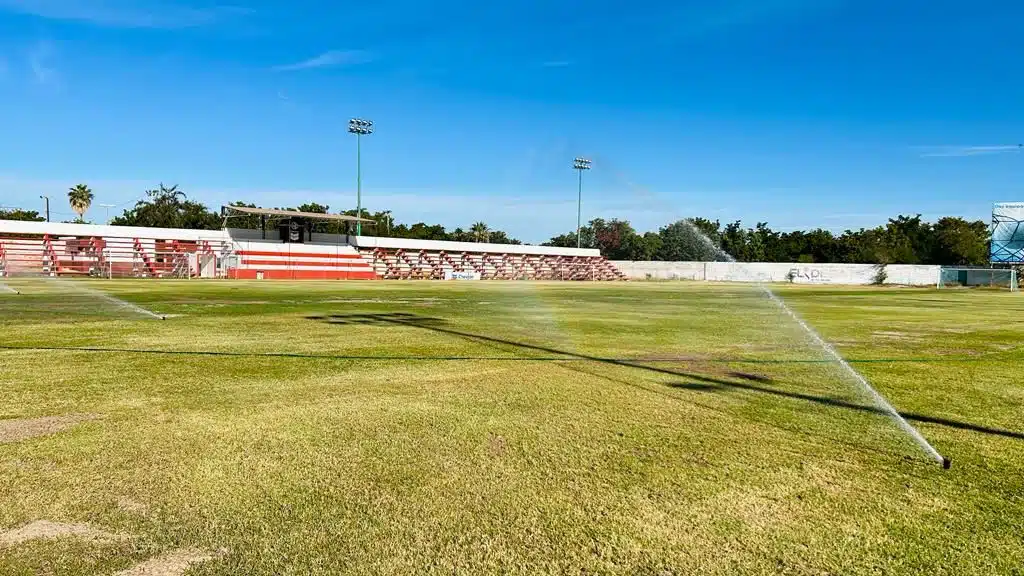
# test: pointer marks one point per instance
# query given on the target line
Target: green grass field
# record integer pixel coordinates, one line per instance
(512, 428)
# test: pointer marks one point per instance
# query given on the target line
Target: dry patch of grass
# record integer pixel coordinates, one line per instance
(16, 430)
(133, 506)
(44, 529)
(173, 563)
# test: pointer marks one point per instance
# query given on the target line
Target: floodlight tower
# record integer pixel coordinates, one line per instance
(360, 128)
(579, 164)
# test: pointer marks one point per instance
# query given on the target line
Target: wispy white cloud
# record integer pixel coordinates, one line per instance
(329, 59)
(124, 13)
(960, 151)
(556, 64)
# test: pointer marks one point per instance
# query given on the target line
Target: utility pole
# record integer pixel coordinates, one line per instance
(47, 198)
(360, 128)
(580, 164)
(106, 212)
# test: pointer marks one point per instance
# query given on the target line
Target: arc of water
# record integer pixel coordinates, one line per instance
(879, 400)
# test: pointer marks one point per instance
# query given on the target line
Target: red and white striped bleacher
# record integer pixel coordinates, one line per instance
(59, 249)
(53, 249)
(401, 258)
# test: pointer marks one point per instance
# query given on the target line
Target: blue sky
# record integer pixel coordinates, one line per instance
(802, 113)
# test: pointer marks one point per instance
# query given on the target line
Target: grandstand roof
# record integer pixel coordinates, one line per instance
(296, 214)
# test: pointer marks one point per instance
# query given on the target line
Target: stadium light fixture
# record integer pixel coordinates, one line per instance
(580, 164)
(360, 128)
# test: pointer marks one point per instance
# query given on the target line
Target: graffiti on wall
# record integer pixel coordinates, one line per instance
(806, 274)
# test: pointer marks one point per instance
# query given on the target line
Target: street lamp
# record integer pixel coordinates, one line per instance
(579, 164)
(360, 128)
(47, 198)
(106, 212)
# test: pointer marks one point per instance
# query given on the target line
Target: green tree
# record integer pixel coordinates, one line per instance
(168, 208)
(568, 240)
(684, 240)
(959, 242)
(734, 241)
(80, 197)
(615, 238)
(865, 246)
(421, 231)
(769, 245)
(19, 214)
(907, 240)
(711, 229)
(480, 232)
(499, 237)
(644, 247)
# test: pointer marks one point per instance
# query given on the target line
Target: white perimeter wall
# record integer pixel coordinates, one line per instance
(852, 274)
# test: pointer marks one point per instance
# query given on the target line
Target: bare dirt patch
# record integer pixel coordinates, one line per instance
(16, 430)
(173, 563)
(895, 336)
(130, 505)
(891, 335)
(41, 529)
(496, 445)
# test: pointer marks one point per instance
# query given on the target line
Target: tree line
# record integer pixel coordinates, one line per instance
(902, 240)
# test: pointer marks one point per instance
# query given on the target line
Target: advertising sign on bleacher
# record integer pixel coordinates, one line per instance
(463, 275)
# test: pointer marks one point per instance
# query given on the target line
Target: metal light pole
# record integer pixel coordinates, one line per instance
(47, 198)
(360, 128)
(106, 212)
(580, 164)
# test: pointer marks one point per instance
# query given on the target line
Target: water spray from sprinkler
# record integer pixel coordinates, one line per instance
(125, 305)
(861, 381)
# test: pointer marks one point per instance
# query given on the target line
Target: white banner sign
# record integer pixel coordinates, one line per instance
(463, 275)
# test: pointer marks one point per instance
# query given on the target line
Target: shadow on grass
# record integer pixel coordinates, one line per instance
(724, 385)
(490, 340)
(697, 382)
(380, 319)
(751, 377)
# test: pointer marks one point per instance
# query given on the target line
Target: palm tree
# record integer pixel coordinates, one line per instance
(480, 232)
(163, 193)
(80, 197)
